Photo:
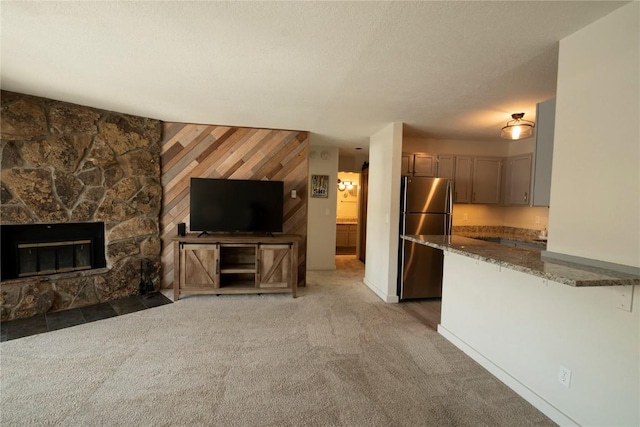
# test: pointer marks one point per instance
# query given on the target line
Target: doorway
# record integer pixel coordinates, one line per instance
(347, 213)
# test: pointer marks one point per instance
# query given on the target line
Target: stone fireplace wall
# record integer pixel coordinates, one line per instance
(63, 163)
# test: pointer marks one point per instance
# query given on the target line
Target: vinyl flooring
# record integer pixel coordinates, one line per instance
(427, 311)
(20, 328)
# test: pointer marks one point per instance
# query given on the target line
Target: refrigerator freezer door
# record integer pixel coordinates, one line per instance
(418, 223)
(421, 272)
(426, 195)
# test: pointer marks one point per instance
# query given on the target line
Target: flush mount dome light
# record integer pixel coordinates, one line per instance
(518, 128)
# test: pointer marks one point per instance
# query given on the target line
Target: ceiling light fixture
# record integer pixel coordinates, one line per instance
(518, 128)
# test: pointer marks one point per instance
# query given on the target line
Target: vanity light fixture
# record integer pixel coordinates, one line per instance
(518, 128)
(345, 185)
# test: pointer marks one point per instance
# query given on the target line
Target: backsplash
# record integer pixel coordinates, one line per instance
(529, 234)
(534, 218)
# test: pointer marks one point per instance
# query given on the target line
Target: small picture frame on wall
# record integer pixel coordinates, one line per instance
(320, 186)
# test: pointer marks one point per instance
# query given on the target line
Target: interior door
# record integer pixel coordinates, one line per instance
(362, 216)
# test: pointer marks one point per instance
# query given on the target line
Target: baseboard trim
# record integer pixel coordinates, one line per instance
(525, 392)
(384, 297)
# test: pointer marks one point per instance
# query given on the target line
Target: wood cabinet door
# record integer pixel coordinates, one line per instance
(446, 166)
(274, 266)
(352, 236)
(518, 180)
(424, 165)
(407, 164)
(342, 235)
(200, 266)
(487, 177)
(462, 180)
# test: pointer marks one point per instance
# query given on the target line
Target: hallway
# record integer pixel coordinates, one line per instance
(426, 311)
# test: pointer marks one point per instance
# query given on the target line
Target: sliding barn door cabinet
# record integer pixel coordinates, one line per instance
(229, 264)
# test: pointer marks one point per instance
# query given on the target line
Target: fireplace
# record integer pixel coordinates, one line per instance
(43, 249)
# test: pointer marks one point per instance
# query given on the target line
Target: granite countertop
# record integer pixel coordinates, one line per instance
(351, 221)
(527, 261)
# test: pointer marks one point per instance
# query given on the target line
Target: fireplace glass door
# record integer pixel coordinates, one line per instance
(53, 257)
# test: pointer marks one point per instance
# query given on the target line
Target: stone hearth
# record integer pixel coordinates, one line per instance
(64, 163)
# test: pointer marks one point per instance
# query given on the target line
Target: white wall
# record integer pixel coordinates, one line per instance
(321, 222)
(596, 157)
(383, 212)
(523, 146)
(499, 147)
(352, 162)
(522, 329)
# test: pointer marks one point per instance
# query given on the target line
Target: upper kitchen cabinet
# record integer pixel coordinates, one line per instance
(518, 182)
(462, 179)
(487, 177)
(545, 125)
(407, 164)
(446, 166)
(424, 164)
(419, 164)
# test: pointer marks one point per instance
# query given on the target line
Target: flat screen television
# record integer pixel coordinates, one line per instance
(232, 205)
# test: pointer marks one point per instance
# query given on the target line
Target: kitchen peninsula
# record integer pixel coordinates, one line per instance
(527, 261)
(564, 336)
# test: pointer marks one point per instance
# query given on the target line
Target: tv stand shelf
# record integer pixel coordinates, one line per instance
(235, 264)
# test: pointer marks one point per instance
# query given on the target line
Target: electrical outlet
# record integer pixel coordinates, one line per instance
(465, 217)
(537, 219)
(564, 376)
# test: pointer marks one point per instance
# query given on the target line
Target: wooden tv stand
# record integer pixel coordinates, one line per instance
(221, 264)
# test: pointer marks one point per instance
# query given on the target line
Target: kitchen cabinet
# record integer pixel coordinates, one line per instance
(407, 164)
(424, 164)
(545, 125)
(462, 179)
(518, 182)
(446, 166)
(487, 179)
(419, 164)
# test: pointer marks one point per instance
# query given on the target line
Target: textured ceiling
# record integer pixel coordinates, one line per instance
(342, 70)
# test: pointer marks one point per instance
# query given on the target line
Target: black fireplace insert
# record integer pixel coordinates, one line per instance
(41, 249)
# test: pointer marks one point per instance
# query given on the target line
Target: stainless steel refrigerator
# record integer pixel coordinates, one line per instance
(425, 209)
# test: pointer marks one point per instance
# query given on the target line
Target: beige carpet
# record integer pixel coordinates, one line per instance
(335, 356)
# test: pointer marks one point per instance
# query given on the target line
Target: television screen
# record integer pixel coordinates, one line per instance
(228, 205)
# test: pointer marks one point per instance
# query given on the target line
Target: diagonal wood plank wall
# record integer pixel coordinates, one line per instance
(208, 151)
